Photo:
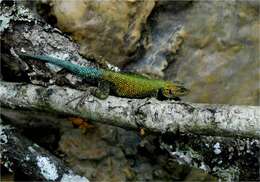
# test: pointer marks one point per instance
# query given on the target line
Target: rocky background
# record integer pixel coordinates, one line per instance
(213, 47)
(210, 46)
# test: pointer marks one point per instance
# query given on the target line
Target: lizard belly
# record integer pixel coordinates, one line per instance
(134, 91)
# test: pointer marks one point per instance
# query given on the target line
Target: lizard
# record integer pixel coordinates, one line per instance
(122, 84)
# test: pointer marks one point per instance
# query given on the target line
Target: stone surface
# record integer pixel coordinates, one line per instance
(107, 29)
(107, 153)
(219, 59)
(166, 35)
(95, 153)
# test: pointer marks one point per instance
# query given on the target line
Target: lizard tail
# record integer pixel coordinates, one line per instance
(73, 68)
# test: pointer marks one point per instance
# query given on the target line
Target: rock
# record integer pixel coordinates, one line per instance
(107, 29)
(95, 154)
(219, 59)
(166, 35)
(83, 147)
(129, 142)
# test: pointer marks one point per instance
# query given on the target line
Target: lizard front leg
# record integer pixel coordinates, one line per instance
(101, 92)
(90, 91)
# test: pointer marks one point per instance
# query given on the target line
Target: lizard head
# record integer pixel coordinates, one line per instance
(172, 90)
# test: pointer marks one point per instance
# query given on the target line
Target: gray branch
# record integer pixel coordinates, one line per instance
(150, 114)
(17, 152)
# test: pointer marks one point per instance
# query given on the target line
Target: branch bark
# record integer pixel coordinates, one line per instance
(151, 114)
(17, 152)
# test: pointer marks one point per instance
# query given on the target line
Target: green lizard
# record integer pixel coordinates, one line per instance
(121, 84)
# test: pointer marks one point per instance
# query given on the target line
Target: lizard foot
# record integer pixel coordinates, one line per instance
(90, 91)
(82, 98)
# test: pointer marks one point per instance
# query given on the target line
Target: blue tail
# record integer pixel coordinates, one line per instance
(86, 72)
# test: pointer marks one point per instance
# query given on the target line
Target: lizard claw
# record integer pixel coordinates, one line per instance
(81, 98)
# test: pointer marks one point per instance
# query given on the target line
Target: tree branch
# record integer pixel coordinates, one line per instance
(17, 152)
(151, 114)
